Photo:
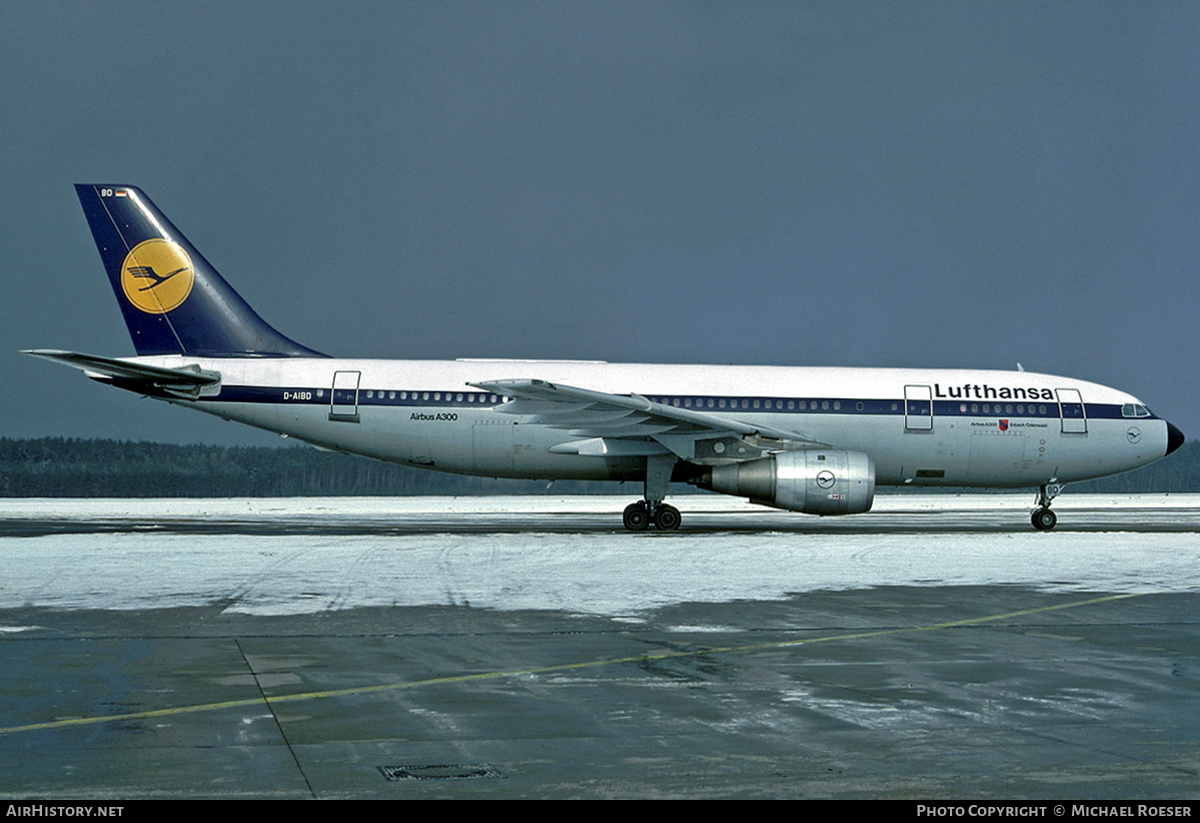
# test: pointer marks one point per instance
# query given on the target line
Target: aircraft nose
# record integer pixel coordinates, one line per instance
(1174, 438)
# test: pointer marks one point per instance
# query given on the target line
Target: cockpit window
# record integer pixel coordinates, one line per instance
(1134, 410)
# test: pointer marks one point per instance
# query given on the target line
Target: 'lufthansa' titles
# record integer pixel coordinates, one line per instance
(974, 391)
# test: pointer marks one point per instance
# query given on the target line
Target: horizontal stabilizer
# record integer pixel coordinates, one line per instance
(188, 380)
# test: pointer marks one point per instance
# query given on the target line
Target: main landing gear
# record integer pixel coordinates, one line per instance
(1042, 518)
(638, 516)
(665, 517)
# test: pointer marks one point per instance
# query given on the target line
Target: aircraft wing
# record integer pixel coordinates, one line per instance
(187, 381)
(629, 424)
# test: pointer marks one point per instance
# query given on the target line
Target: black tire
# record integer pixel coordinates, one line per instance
(667, 518)
(1044, 519)
(636, 517)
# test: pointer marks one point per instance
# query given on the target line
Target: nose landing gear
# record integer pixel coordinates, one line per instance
(1042, 518)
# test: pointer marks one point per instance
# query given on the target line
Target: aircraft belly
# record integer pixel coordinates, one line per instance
(312, 424)
(476, 443)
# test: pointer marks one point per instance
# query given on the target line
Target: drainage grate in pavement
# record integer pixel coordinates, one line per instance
(456, 771)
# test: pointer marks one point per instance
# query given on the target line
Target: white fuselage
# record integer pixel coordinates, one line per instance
(921, 427)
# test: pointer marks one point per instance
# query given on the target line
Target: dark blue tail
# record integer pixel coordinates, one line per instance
(173, 301)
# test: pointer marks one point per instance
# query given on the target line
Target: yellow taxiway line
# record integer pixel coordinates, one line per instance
(563, 667)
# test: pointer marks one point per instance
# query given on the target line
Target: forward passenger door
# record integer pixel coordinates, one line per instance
(918, 408)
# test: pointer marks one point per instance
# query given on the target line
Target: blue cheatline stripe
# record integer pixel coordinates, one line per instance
(1048, 410)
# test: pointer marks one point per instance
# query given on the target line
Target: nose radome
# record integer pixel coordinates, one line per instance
(1174, 438)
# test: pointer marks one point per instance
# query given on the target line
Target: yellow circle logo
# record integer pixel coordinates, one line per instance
(157, 276)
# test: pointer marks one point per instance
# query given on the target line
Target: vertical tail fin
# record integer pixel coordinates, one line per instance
(173, 300)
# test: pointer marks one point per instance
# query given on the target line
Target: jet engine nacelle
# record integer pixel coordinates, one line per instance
(814, 481)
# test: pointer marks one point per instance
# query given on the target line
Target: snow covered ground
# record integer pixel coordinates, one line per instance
(594, 570)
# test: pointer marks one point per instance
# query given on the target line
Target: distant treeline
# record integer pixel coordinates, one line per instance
(58, 467)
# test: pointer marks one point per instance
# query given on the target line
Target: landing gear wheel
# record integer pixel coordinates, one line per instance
(637, 517)
(666, 518)
(1043, 519)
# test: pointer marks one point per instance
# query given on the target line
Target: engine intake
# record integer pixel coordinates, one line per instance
(814, 481)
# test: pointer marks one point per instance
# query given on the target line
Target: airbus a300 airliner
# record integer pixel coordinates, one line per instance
(814, 440)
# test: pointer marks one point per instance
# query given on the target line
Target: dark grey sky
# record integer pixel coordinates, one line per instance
(895, 184)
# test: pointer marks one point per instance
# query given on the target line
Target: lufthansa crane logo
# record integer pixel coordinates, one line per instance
(157, 276)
